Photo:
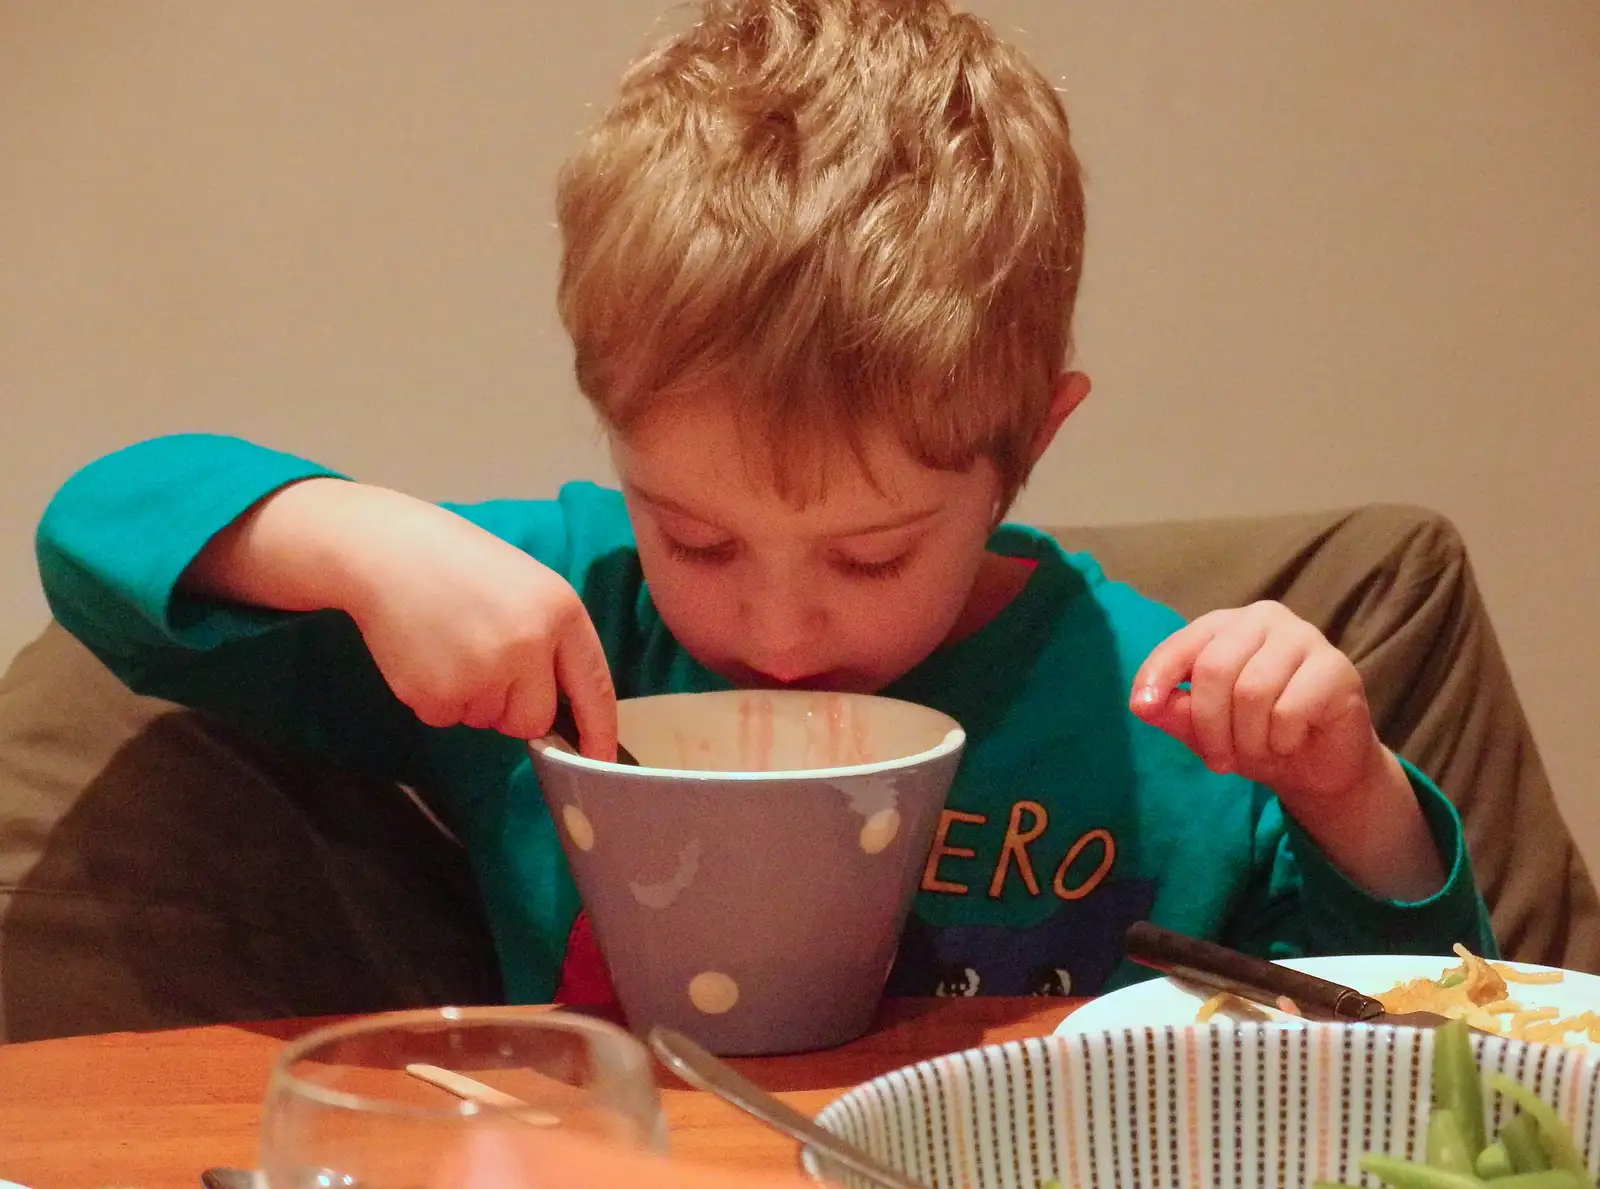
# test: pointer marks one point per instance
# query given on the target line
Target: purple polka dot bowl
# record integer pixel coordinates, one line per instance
(748, 882)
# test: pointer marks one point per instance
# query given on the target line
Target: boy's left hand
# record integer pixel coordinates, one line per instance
(1270, 699)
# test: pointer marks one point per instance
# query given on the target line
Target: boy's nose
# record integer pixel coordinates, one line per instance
(783, 631)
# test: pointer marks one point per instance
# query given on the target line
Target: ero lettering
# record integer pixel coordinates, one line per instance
(1029, 820)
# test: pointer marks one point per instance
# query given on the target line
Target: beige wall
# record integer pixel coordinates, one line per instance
(1339, 252)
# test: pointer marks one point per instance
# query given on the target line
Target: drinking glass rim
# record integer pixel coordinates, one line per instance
(297, 1049)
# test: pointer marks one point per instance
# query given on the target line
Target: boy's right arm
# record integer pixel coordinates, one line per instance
(465, 628)
(175, 562)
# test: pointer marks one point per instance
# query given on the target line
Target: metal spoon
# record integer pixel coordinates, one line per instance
(232, 1178)
(229, 1178)
(699, 1068)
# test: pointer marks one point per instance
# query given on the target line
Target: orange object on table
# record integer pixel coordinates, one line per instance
(150, 1110)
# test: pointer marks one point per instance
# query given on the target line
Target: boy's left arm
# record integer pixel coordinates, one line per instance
(1259, 692)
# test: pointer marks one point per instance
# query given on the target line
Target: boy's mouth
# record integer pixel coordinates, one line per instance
(832, 681)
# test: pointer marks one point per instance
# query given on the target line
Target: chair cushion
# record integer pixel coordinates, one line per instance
(157, 870)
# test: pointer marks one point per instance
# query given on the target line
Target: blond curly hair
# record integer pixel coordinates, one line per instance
(846, 217)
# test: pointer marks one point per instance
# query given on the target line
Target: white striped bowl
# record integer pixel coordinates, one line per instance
(1249, 1107)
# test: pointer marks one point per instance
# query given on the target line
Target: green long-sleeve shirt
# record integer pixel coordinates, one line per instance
(1069, 818)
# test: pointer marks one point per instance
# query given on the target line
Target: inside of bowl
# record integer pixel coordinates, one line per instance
(776, 730)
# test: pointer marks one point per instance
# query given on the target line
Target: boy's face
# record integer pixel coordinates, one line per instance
(846, 593)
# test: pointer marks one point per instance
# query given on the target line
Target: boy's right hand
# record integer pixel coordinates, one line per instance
(465, 628)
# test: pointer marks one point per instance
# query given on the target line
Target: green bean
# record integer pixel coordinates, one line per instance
(1520, 1135)
(1553, 1136)
(1458, 1085)
(1492, 1162)
(1552, 1178)
(1446, 1149)
(1402, 1174)
(1452, 980)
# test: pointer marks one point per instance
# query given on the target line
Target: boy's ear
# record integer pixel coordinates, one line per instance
(1071, 388)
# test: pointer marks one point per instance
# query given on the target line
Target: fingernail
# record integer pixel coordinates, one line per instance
(1147, 695)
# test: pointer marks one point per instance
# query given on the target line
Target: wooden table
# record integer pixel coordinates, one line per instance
(150, 1110)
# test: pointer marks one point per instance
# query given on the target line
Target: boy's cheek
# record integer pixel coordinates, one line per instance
(700, 616)
(892, 632)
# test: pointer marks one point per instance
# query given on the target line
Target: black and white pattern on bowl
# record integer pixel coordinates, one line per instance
(1250, 1107)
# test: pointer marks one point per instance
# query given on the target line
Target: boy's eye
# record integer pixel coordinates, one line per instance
(874, 569)
(723, 551)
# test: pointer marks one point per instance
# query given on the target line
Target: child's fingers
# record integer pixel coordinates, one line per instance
(1324, 689)
(584, 675)
(486, 710)
(1169, 663)
(1256, 694)
(1174, 716)
(1211, 691)
(530, 706)
(431, 710)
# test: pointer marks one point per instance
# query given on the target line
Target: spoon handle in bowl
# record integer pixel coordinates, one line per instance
(703, 1071)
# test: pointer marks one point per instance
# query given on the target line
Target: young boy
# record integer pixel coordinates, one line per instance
(820, 263)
